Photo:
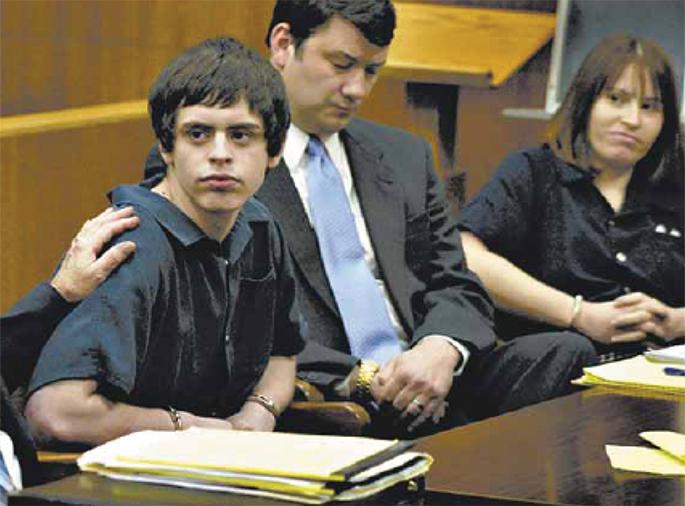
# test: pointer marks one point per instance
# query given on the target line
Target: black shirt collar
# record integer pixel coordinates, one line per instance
(641, 191)
(172, 219)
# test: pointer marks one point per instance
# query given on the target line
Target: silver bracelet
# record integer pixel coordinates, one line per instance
(577, 304)
(175, 418)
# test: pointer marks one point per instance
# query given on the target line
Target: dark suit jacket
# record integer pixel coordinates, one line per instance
(25, 328)
(416, 244)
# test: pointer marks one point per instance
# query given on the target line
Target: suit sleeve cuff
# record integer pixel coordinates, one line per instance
(463, 350)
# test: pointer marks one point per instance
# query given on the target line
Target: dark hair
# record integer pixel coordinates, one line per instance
(219, 72)
(375, 19)
(602, 67)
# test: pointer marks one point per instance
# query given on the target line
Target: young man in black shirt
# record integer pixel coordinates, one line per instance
(200, 327)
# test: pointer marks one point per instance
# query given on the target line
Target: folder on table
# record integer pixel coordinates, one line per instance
(299, 467)
(667, 459)
(636, 373)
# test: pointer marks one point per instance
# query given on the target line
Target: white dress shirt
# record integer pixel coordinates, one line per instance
(297, 161)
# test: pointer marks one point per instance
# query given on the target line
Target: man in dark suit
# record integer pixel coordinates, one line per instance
(329, 54)
(438, 358)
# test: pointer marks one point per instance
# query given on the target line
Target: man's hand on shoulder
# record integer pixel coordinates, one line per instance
(417, 381)
(82, 270)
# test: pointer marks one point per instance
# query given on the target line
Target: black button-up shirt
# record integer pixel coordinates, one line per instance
(186, 321)
(548, 218)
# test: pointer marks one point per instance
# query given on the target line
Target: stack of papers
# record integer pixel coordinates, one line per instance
(667, 459)
(297, 467)
(672, 354)
(637, 373)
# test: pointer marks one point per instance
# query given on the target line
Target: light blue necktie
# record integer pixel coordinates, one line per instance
(359, 298)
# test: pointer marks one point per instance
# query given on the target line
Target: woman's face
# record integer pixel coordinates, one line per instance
(625, 120)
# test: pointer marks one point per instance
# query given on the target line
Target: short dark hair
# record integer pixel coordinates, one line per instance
(219, 72)
(375, 19)
(602, 67)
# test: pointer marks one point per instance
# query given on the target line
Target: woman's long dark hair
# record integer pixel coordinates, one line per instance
(602, 67)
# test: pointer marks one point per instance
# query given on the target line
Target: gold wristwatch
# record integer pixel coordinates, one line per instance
(362, 390)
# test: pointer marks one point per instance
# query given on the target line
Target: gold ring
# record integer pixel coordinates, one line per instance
(417, 403)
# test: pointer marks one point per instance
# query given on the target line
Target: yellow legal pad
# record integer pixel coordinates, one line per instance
(298, 467)
(635, 373)
(668, 459)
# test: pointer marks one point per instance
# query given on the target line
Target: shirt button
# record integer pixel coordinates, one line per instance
(225, 262)
(626, 289)
(621, 257)
(611, 223)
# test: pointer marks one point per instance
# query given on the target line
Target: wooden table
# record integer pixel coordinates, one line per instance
(554, 453)
(91, 489)
(438, 48)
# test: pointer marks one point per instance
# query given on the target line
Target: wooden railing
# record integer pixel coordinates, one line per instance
(78, 117)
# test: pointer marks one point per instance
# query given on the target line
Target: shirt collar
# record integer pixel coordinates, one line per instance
(296, 147)
(639, 193)
(167, 214)
(570, 174)
(172, 219)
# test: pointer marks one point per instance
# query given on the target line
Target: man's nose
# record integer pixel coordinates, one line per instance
(221, 148)
(356, 85)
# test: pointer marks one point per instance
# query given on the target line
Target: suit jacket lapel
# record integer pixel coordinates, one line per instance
(382, 203)
(280, 195)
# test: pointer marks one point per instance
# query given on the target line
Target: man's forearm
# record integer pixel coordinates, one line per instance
(278, 382)
(72, 411)
(269, 398)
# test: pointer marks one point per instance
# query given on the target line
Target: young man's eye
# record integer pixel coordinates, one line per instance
(198, 133)
(241, 136)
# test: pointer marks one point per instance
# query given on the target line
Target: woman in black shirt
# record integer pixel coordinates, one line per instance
(587, 233)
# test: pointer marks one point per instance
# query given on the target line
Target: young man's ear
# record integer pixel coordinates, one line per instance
(166, 156)
(274, 160)
(282, 45)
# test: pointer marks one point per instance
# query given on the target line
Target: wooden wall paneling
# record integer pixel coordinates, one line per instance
(57, 54)
(49, 184)
(485, 136)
